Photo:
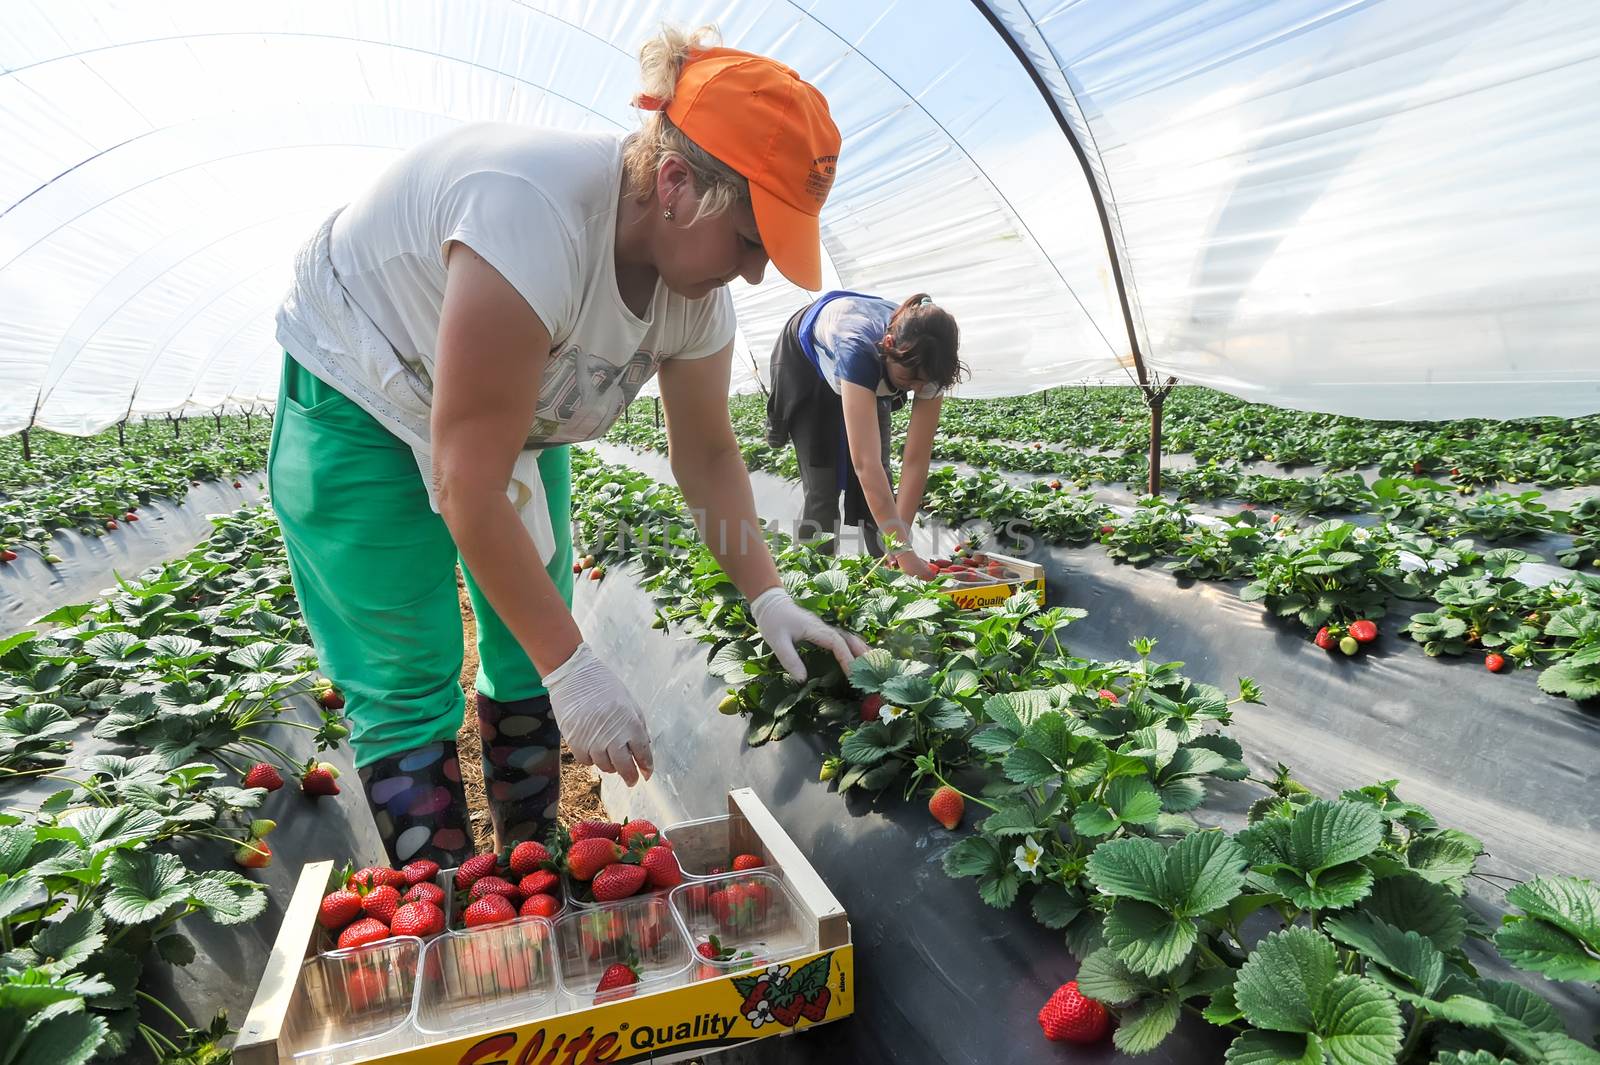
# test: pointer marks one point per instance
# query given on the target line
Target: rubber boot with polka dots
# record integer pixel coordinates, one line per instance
(419, 805)
(521, 767)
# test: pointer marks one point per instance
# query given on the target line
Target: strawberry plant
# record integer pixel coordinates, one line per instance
(1475, 612)
(1584, 524)
(1220, 553)
(1155, 528)
(1329, 572)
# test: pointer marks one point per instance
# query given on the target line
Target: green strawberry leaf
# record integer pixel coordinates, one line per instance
(1274, 1048)
(61, 1039)
(1147, 938)
(1133, 867)
(1282, 979)
(1538, 947)
(1104, 978)
(1413, 904)
(1358, 1022)
(1055, 906)
(1204, 872)
(1145, 1026)
(1405, 954)
(144, 886)
(1223, 1009)
(1568, 902)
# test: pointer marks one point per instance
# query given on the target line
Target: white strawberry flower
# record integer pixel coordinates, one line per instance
(1029, 855)
(761, 1014)
(1361, 535)
(891, 713)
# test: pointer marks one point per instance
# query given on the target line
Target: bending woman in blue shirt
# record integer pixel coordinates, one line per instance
(840, 367)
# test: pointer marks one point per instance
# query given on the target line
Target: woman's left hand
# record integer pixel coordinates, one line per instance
(783, 623)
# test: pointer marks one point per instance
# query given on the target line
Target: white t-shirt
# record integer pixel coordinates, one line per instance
(540, 206)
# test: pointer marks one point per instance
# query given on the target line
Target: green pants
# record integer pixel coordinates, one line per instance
(374, 568)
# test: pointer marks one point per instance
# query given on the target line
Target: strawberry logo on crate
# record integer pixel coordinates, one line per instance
(784, 997)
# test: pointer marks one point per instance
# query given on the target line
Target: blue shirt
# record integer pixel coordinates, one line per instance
(845, 337)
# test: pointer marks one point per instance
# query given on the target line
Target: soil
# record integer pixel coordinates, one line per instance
(580, 785)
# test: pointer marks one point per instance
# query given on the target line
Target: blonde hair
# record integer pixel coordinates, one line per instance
(660, 61)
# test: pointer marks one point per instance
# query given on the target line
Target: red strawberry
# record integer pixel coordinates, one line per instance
(661, 868)
(318, 780)
(746, 862)
(420, 871)
(538, 882)
(331, 699)
(492, 885)
(1494, 663)
(596, 829)
(1325, 639)
(1055, 486)
(596, 573)
(788, 1013)
(417, 919)
(256, 854)
(474, 868)
(363, 988)
(367, 930)
(491, 909)
(339, 908)
(425, 892)
(263, 775)
(8, 555)
(363, 878)
(816, 1007)
(618, 882)
(588, 856)
(577, 567)
(111, 526)
(381, 902)
(1364, 631)
(1108, 695)
(237, 484)
(637, 829)
(1107, 530)
(947, 806)
(130, 516)
(614, 979)
(528, 856)
(871, 706)
(1072, 1018)
(540, 906)
(384, 876)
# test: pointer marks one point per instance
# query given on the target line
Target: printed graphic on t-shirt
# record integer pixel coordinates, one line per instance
(584, 393)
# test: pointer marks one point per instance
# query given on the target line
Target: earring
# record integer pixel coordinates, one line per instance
(667, 214)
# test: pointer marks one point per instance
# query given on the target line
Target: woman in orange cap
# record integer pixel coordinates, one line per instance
(501, 292)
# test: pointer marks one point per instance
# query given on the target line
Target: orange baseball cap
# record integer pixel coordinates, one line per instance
(766, 123)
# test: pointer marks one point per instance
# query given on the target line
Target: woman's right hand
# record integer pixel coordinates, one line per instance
(914, 564)
(598, 717)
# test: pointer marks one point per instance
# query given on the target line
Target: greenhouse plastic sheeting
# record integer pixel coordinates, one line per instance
(1375, 208)
(230, 959)
(934, 994)
(167, 529)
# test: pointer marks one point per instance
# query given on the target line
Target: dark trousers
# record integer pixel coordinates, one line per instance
(820, 512)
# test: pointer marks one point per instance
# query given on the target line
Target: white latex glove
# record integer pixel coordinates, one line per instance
(783, 622)
(598, 718)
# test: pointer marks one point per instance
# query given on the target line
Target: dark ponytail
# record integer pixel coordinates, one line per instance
(923, 338)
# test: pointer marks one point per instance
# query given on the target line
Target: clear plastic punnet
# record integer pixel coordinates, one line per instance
(741, 921)
(639, 933)
(351, 1003)
(478, 979)
(704, 846)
